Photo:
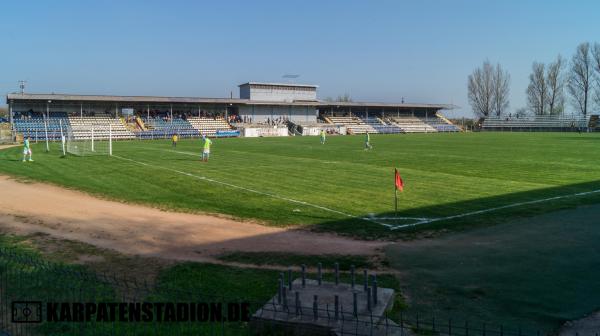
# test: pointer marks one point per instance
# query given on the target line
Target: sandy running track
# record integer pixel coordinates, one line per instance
(133, 229)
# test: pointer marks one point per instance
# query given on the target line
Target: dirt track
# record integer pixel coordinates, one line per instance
(132, 229)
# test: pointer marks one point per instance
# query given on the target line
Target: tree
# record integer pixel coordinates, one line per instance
(596, 55)
(488, 88)
(345, 98)
(555, 86)
(481, 91)
(580, 78)
(537, 91)
(500, 82)
(521, 112)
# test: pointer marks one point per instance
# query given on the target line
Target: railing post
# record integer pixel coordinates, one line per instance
(279, 291)
(297, 303)
(315, 308)
(337, 307)
(337, 273)
(319, 273)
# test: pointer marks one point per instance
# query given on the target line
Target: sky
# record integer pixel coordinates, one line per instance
(373, 50)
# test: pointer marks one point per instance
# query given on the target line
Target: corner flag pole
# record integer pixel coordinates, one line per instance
(396, 200)
(398, 184)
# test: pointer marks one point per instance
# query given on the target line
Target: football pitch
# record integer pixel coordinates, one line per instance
(452, 181)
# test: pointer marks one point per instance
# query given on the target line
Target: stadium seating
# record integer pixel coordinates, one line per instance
(160, 128)
(440, 124)
(102, 126)
(353, 125)
(411, 124)
(209, 126)
(534, 123)
(382, 126)
(394, 124)
(36, 128)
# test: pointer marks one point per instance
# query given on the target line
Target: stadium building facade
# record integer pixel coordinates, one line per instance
(291, 107)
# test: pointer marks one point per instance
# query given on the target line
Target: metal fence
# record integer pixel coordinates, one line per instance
(27, 280)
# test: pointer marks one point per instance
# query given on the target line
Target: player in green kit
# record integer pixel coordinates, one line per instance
(26, 150)
(323, 137)
(368, 141)
(206, 148)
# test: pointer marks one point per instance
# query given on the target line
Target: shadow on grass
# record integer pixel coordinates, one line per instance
(537, 202)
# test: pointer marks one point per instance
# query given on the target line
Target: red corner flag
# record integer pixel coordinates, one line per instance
(399, 182)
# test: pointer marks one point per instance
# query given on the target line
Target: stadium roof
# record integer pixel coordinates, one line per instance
(73, 98)
(279, 84)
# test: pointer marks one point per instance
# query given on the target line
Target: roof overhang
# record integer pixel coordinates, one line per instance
(124, 100)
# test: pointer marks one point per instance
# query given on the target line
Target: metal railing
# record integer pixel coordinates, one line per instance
(27, 277)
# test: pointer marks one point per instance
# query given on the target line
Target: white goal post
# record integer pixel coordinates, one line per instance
(92, 140)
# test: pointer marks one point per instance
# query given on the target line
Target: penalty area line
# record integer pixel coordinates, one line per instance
(513, 205)
(283, 198)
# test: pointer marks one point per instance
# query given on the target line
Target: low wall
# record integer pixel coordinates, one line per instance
(254, 132)
(316, 130)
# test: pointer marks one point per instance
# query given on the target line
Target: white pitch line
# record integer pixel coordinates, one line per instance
(254, 191)
(427, 221)
(420, 221)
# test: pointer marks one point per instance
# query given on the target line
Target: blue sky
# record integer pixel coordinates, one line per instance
(373, 50)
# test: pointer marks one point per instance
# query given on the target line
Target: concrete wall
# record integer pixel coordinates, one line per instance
(277, 93)
(260, 113)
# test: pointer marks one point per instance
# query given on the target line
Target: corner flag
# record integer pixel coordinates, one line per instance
(399, 185)
(399, 182)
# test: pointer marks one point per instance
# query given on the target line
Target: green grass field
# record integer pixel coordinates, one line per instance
(269, 179)
(531, 265)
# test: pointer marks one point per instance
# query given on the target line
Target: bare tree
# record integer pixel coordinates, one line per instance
(345, 98)
(580, 78)
(501, 82)
(555, 86)
(481, 90)
(596, 55)
(521, 112)
(537, 90)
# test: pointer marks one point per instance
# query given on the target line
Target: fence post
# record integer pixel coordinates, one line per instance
(279, 291)
(315, 308)
(297, 303)
(320, 273)
(337, 273)
(337, 307)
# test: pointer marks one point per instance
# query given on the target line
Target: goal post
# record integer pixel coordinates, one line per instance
(88, 141)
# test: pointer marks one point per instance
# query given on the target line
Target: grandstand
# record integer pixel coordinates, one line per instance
(536, 123)
(209, 126)
(40, 127)
(410, 124)
(157, 127)
(101, 126)
(393, 124)
(261, 107)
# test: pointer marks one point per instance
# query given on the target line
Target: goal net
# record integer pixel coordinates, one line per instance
(86, 141)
